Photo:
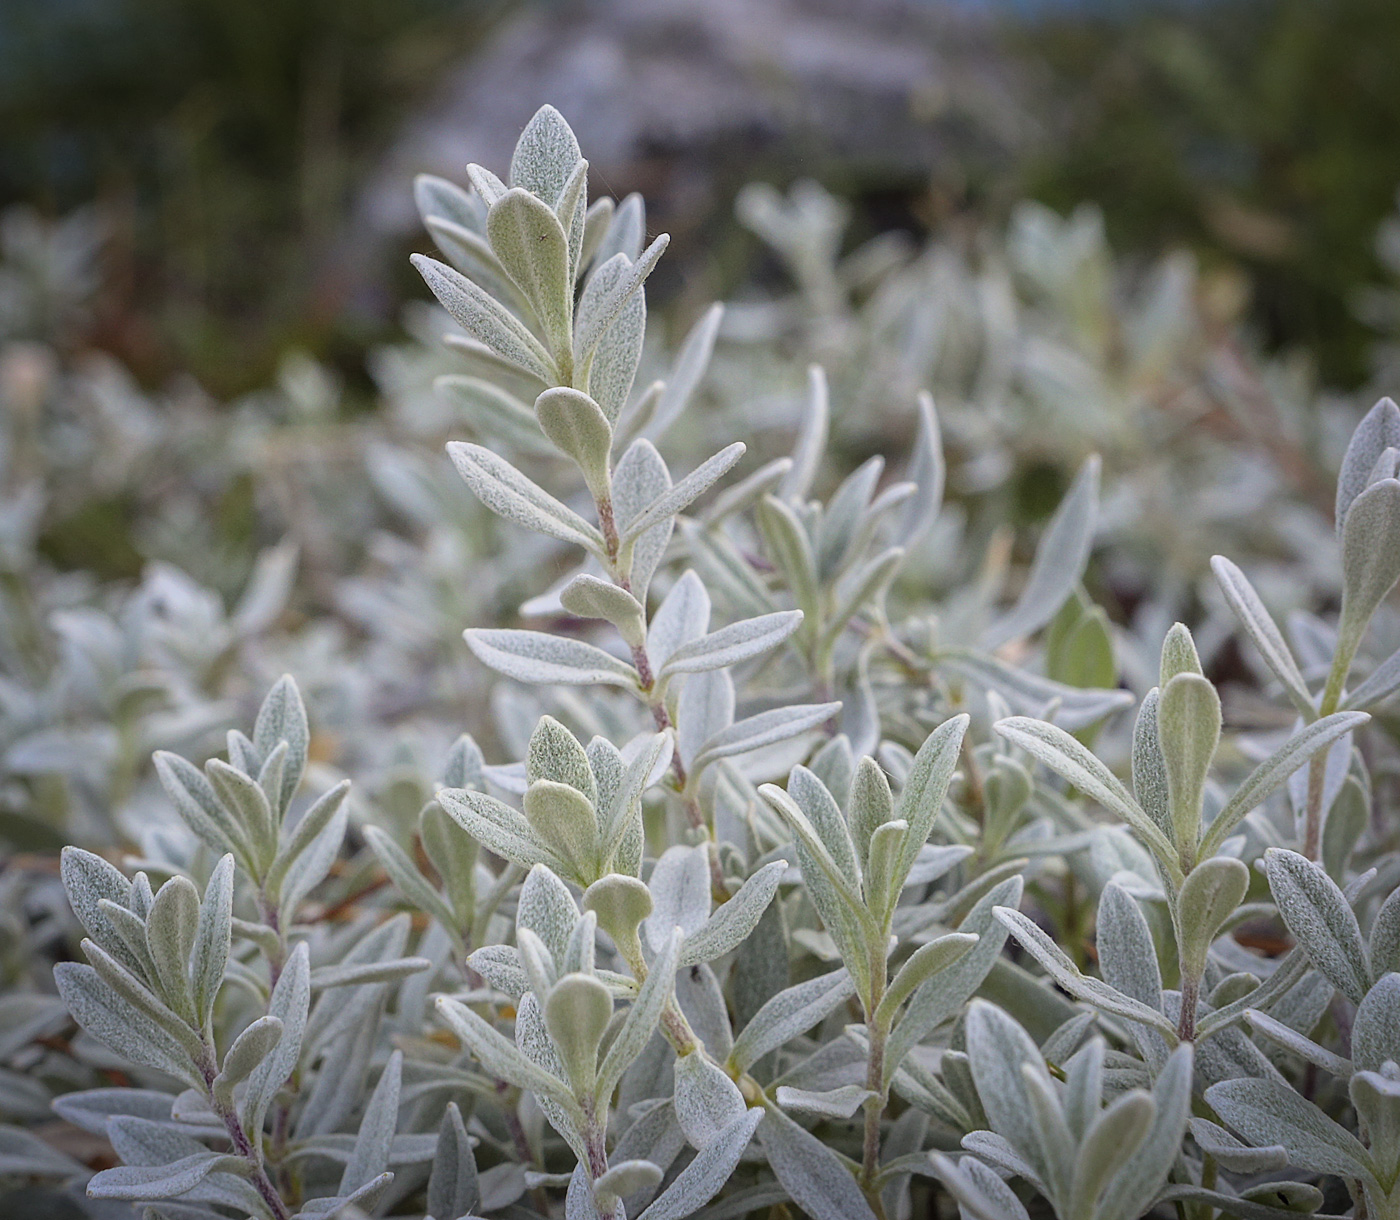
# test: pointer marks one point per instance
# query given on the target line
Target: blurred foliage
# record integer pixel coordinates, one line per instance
(1262, 132)
(209, 132)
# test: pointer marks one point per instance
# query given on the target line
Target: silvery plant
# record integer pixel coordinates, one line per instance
(782, 885)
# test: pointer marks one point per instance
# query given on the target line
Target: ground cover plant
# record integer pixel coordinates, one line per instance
(780, 883)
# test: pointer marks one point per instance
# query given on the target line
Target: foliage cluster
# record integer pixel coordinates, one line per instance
(796, 878)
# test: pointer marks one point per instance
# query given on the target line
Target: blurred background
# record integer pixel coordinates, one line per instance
(1163, 230)
(248, 165)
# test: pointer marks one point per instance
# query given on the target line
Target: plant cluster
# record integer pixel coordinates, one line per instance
(802, 886)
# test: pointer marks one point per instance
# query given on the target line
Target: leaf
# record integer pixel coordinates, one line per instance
(1378, 431)
(509, 494)
(811, 438)
(682, 494)
(1058, 564)
(404, 874)
(928, 472)
(1150, 787)
(928, 960)
(741, 496)
(500, 1057)
(354, 974)
(577, 426)
(731, 924)
(197, 804)
(498, 828)
(1290, 1039)
(1231, 1153)
(865, 583)
(680, 892)
(589, 597)
(1382, 683)
(822, 812)
(706, 1100)
(486, 320)
(682, 618)
(531, 244)
(1073, 762)
(640, 1022)
(25, 1155)
(791, 1012)
(943, 996)
(544, 157)
(921, 798)
(1375, 1031)
(790, 548)
(453, 1186)
(730, 645)
(1268, 1112)
(1003, 1057)
(810, 1172)
(113, 1021)
(290, 1002)
(1143, 1175)
(539, 657)
(598, 309)
(1128, 957)
(1188, 727)
(370, 1156)
(1273, 773)
(640, 477)
(1058, 965)
(841, 520)
(626, 1178)
(249, 1049)
(159, 1181)
(1077, 707)
(764, 729)
(469, 252)
(1383, 948)
(307, 830)
(576, 1014)
(1263, 633)
(1208, 897)
(282, 717)
(706, 1175)
(491, 413)
(244, 797)
(311, 863)
(1320, 919)
(619, 352)
(88, 880)
(980, 1192)
(1370, 560)
(687, 370)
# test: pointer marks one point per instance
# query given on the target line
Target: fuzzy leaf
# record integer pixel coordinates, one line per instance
(810, 1172)
(509, 494)
(538, 657)
(1059, 562)
(1320, 919)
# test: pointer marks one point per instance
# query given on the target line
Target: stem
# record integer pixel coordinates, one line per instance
(1317, 769)
(608, 524)
(877, 1032)
(674, 1026)
(874, 1106)
(276, 961)
(242, 1145)
(1312, 825)
(595, 1144)
(1190, 996)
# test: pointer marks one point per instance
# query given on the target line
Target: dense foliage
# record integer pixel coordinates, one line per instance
(802, 869)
